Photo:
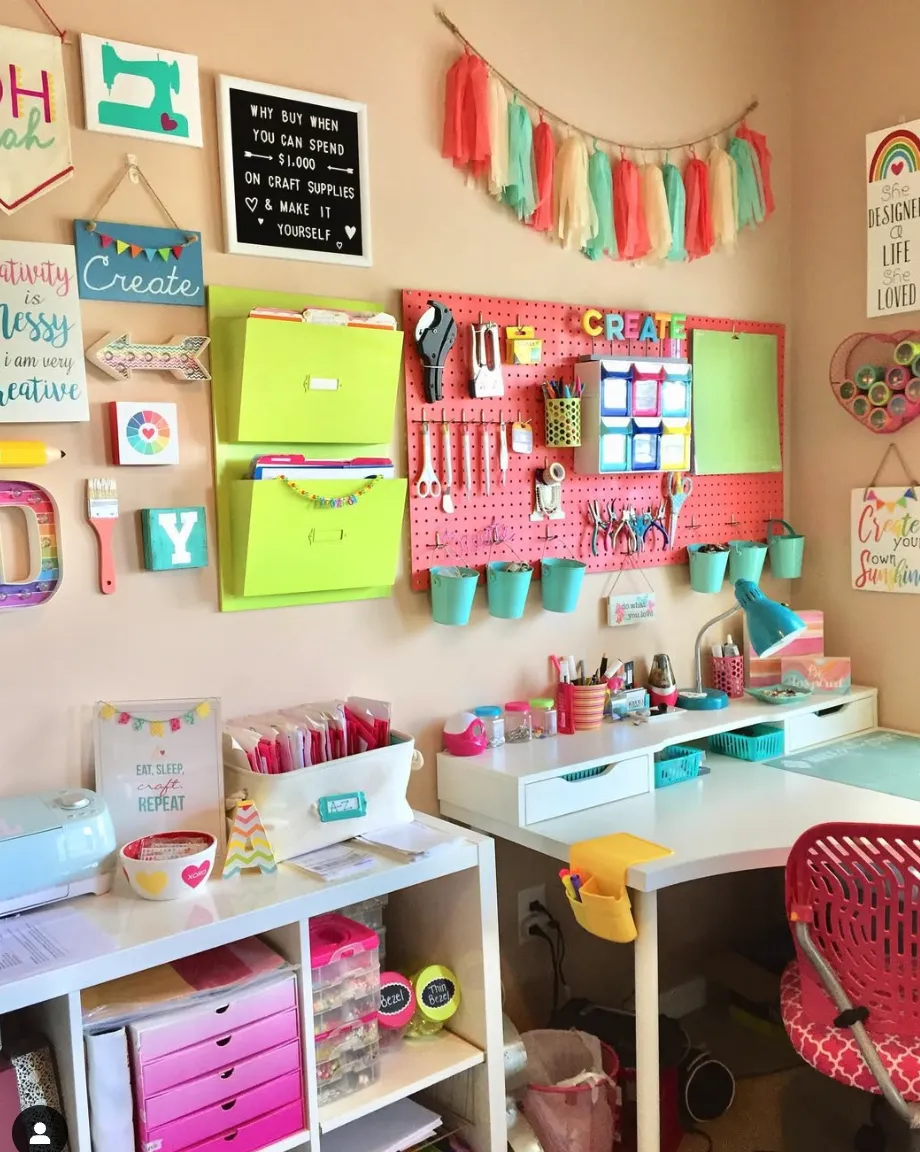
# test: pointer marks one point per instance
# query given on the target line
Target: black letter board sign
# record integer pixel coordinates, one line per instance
(294, 174)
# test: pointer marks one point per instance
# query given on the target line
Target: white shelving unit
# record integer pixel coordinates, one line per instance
(441, 908)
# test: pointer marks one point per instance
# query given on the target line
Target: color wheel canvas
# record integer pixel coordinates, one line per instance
(144, 432)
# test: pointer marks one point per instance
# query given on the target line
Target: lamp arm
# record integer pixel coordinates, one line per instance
(699, 641)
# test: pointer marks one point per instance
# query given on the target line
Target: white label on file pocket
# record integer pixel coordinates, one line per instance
(321, 384)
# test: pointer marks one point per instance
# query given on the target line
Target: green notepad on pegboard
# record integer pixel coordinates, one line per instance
(735, 403)
(880, 760)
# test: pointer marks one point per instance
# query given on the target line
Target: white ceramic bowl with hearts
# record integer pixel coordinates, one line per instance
(169, 865)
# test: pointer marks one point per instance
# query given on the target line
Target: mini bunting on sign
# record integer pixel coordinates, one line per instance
(659, 213)
(156, 727)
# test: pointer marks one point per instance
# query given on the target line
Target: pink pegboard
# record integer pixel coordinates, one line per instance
(498, 527)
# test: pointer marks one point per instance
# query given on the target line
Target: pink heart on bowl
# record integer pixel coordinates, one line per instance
(877, 349)
(897, 167)
(169, 125)
(193, 876)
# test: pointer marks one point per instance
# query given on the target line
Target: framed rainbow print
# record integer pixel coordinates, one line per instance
(158, 766)
(144, 432)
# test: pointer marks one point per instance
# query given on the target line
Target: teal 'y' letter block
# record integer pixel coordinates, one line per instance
(174, 538)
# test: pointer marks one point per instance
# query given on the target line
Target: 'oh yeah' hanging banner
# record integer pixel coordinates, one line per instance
(34, 128)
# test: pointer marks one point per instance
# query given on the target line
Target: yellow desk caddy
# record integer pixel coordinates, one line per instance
(595, 883)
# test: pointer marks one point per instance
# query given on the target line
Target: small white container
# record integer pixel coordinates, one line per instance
(162, 876)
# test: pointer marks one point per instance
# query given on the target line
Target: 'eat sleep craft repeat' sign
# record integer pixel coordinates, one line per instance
(294, 174)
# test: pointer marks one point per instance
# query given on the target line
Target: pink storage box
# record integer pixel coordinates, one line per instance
(173, 1031)
(223, 1119)
(189, 1063)
(257, 1134)
(219, 1086)
(763, 672)
(339, 946)
(829, 675)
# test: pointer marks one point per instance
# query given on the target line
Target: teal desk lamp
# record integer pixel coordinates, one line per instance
(767, 627)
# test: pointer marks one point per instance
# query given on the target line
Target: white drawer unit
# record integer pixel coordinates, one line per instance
(831, 723)
(588, 788)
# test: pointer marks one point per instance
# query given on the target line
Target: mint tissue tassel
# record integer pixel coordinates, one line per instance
(677, 208)
(750, 205)
(600, 185)
(519, 192)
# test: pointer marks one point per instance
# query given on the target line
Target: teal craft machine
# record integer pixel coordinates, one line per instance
(158, 116)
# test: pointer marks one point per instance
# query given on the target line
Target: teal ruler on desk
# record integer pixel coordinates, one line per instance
(883, 761)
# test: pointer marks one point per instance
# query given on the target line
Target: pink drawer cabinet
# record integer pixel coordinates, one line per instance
(219, 1086)
(239, 1111)
(179, 1030)
(257, 1134)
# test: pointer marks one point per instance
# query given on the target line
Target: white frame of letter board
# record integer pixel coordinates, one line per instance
(228, 188)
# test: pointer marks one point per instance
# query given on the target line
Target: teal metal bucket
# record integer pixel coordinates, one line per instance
(452, 592)
(507, 591)
(707, 569)
(560, 583)
(745, 560)
(786, 551)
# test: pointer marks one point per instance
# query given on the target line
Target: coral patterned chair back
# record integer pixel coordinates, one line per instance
(857, 886)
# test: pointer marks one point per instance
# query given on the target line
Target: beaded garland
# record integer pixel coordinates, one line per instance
(331, 501)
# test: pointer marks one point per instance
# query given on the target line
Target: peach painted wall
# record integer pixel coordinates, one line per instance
(838, 101)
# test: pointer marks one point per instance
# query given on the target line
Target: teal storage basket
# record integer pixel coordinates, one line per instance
(452, 592)
(507, 591)
(676, 764)
(707, 569)
(560, 583)
(745, 560)
(786, 548)
(758, 742)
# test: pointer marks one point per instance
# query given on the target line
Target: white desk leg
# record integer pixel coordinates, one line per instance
(645, 905)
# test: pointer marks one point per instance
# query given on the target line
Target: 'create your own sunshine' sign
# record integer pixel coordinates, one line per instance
(885, 539)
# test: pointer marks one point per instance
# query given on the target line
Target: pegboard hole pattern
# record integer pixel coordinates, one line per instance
(498, 527)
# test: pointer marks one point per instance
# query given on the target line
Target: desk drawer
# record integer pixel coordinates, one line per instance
(546, 799)
(830, 724)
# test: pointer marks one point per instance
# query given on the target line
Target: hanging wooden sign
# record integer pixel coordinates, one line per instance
(34, 126)
(893, 238)
(885, 539)
(631, 608)
(294, 174)
(137, 264)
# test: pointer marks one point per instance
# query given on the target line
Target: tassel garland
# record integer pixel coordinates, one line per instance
(625, 212)
(519, 193)
(600, 184)
(498, 137)
(576, 218)
(544, 161)
(655, 203)
(723, 192)
(750, 186)
(677, 210)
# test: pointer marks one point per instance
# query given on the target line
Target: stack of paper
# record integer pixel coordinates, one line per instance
(335, 862)
(392, 1129)
(412, 840)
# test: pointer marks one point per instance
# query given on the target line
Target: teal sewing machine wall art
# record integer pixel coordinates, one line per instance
(131, 90)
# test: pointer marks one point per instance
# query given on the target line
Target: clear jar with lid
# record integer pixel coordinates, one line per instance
(543, 717)
(493, 722)
(518, 726)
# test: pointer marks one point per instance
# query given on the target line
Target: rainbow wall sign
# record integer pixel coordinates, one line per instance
(893, 219)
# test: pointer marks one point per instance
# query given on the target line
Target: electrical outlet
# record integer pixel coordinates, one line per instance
(526, 896)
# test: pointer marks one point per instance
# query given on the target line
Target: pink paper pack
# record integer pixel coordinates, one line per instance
(823, 674)
(761, 672)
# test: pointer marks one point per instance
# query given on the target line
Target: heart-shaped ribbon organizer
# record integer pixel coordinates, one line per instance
(876, 378)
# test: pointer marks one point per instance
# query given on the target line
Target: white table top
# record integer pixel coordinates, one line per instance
(537, 758)
(739, 816)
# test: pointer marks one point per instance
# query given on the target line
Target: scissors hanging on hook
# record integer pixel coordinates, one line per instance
(679, 486)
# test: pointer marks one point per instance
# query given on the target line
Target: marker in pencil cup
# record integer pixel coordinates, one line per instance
(27, 454)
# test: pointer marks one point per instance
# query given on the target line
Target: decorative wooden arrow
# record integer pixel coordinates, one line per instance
(118, 356)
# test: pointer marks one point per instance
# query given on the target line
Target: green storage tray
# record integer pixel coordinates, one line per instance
(284, 544)
(311, 383)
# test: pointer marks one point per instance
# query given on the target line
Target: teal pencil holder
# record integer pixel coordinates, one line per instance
(507, 591)
(452, 592)
(560, 583)
(745, 560)
(707, 569)
(786, 549)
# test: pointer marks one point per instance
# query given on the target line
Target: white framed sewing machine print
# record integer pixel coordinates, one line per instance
(132, 90)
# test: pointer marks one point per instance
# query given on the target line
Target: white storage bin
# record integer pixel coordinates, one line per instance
(314, 807)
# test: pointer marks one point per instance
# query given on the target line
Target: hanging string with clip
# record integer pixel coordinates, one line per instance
(897, 451)
(134, 173)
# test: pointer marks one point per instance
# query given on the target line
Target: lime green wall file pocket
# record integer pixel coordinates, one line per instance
(284, 543)
(312, 383)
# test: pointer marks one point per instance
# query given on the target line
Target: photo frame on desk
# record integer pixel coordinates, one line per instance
(159, 766)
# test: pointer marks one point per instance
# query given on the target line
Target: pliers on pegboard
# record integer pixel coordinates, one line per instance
(599, 525)
(623, 523)
(657, 522)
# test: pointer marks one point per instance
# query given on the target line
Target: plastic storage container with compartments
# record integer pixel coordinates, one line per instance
(346, 1058)
(345, 971)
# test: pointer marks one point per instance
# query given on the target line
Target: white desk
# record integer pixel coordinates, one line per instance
(740, 816)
